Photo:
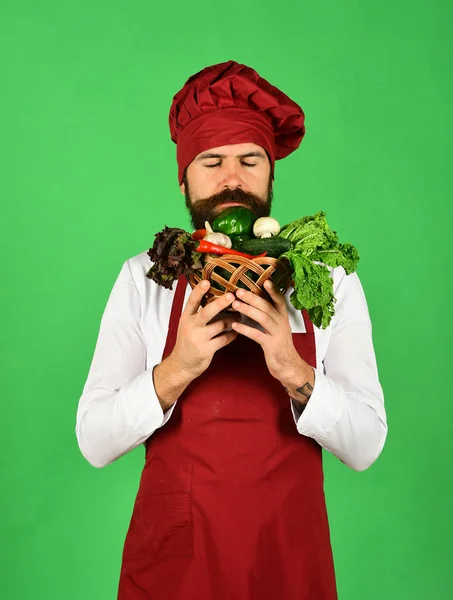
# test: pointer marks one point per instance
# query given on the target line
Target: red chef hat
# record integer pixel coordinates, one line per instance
(230, 103)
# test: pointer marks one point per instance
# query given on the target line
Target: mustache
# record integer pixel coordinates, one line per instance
(228, 195)
(203, 210)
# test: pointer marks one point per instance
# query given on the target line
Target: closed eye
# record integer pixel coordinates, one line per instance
(244, 164)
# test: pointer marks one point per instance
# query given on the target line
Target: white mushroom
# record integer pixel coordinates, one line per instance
(266, 227)
(216, 237)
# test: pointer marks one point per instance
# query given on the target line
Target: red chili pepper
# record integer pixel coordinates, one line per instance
(199, 234)
(210, 248)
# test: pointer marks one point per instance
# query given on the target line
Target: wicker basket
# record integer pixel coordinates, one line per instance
(228, 273)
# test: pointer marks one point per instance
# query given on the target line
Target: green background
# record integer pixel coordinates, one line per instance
(89, 175)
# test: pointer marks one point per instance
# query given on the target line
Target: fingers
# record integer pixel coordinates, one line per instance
(221, 303)
(277, 297)
(223, 340)
(250, 332)
(215, 307)
(221, 325)
(196, 296)
(260, 317)
(256, 308)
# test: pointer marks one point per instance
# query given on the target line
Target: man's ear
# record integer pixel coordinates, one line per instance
(182, 187)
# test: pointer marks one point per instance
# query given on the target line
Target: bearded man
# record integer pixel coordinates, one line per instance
(234, 408)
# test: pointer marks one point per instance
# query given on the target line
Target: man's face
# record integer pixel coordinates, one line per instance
(237, 174)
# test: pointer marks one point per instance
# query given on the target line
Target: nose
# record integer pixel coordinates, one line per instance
(231, 176)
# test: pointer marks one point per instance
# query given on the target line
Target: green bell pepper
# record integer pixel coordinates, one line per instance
(238, 240)
(235, 221)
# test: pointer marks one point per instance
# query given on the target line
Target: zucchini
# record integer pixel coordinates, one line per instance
(274, 246)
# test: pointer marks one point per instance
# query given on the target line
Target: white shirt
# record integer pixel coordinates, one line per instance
(119, 409)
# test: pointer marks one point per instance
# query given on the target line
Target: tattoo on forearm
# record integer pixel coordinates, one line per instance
(305, 390)
(298, 405)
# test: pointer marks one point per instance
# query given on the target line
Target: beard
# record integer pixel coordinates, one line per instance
(205, 209)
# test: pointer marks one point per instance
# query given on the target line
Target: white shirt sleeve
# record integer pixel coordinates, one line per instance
(346, 413)
(119, 408)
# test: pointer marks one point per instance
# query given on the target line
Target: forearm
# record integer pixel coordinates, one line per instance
(352, 426)
(170, 381)
(298, 380)
(345, 413)
(111, 422)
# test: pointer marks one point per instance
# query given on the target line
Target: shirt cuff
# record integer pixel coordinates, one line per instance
(144, 407)
(321, 411)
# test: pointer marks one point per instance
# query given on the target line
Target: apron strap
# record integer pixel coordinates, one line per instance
(307, 321)
(175, 315)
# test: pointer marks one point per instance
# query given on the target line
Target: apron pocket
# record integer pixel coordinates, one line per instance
(161, 524)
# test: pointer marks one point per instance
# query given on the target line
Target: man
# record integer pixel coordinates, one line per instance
(234, 408)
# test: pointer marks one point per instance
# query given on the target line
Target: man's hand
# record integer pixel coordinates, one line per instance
(282, 359)
(202, 332)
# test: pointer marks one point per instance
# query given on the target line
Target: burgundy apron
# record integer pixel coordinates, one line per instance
(231, 503)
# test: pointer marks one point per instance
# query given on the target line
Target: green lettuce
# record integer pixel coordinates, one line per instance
(313, 242)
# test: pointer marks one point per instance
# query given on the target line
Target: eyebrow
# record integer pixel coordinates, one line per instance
(255, 154)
